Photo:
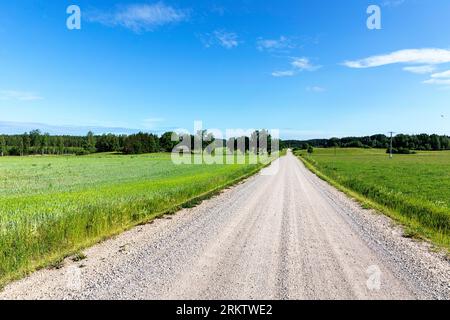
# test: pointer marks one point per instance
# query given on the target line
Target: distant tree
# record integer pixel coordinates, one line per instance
(141, 143)
(89, 144)
(20, 147)
(242, 144)
(265, 142)
(209, 142)
(61, 145)
(435, 142)
(45, 142)
(153, 144)
(254, 142)
(231, 145)
(333, 143)
(35, 138)
(3, 148)
(445, 143)
(310, 149)
(107, 143)
(26, 144)
(166, 143)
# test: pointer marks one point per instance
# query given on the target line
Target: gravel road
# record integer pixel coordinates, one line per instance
(283, 236)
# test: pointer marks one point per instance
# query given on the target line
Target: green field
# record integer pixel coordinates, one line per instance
(52, 206)
(413, 189)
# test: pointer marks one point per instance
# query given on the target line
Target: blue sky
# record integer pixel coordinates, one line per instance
(309, 68)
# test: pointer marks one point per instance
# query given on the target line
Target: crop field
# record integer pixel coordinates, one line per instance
(413, 189)
(52, 206)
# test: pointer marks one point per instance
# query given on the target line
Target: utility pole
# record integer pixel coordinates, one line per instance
(392, 137)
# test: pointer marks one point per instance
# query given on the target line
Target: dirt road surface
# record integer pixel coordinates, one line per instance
(287, 235)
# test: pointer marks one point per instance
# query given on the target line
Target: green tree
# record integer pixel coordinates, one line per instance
(35, 139)
(26, 144)
(107, 143)
(3, 149)
(89, 144)
(20, 147)
(310, 149)
(61, 145)
(435, 142)
(166, 143)
(44, 143)
(445, 143)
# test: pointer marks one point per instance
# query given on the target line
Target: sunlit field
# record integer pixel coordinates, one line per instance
(52, 206)
(414, 188)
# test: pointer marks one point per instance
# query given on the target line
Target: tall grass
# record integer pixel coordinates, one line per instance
(40, 223)
(414, 189)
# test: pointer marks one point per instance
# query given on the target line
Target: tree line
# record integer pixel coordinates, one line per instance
(401, 143)
(37, 143)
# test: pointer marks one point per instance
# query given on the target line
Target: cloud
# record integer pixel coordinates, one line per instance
(315, 89)
(303, 64)
(279, 74)
(420, 69)
(271, 45)
(410, 56)
(12, 127)
(140, 17)
(298, 65)
(228, 40)
(445, 74)
(438, 81)
(19, 95)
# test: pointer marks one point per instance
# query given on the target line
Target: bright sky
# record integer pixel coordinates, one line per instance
(310, 68)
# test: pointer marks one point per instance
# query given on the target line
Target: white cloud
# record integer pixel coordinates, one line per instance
(283, 43)
(19, 95)
(303, 64)
(298, 65)
(438, 81)
(441, 79)
(315, 89)
(140, 17)
(279, 74)
(227, 40)
(420, 69)
(410, 56)
(445, 74)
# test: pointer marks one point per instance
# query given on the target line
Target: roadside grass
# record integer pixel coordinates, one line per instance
(53, 207)
(412, 189)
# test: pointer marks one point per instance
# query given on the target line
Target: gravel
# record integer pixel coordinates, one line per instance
(283, 236)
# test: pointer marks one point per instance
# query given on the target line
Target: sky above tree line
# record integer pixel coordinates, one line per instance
(312, 69)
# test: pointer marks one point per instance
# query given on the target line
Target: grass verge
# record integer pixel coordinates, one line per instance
(41, 230)
(420, 220)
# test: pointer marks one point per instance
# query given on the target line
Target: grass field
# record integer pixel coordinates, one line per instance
(413, 189)
(50, 207)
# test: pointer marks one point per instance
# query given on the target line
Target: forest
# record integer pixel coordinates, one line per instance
(401, 143)
(37, 143)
